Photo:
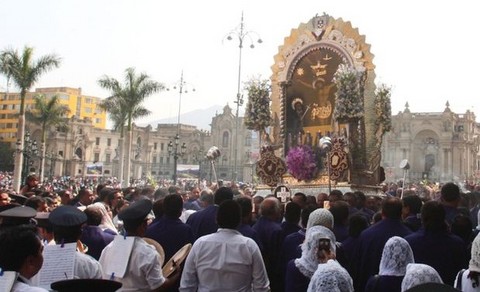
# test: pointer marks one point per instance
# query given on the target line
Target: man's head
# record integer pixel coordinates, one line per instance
(32, 181)
(411, 205)
(392, 208)
(194, 193)
(229, 215)
(270, 208)
(223, 194)
(433, 216)
(135, 220)
(206, 198)
(21, 250)
(67, 223)
(86, 196)
(335, 195)
(66, 197)
(246, 205)
(292, 212)
(173, 206)
(450, 194)
(300, 199)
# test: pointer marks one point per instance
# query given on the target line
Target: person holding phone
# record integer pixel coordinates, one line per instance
(319, 247)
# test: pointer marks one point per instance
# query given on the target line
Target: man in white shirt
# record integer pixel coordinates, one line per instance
(225, 260)
(144, 270)
(67, 224)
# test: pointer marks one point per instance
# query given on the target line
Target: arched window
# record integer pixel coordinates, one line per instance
(225, 139)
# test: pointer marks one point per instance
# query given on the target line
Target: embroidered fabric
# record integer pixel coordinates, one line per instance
(417, 274)
(307, 264)
(320, 217)
(397, 254)
(474, 264)
(329, 277)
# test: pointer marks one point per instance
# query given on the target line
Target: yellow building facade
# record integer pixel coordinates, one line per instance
(81, 106)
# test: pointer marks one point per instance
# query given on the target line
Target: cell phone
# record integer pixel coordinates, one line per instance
(326, 205)
(324, 244)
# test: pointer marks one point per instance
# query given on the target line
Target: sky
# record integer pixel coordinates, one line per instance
(426, 51)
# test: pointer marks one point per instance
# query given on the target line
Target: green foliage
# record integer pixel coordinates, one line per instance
(349, 95)
(48, 112)
(383, 108)
(126, 102)
(23, 70)
(257, 113)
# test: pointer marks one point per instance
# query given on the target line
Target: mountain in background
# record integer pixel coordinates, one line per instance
(202, 118)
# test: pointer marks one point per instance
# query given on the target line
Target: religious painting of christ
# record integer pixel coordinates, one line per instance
(310, 96)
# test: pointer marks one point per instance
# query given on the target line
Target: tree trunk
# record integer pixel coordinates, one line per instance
(17, 171)
(42, 161)
(128, 158)
(121, 143)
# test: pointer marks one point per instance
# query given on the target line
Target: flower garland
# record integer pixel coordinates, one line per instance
(257, 113)
(383, 108)
(301, 162)
(349, 95)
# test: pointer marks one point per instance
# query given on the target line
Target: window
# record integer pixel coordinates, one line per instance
(109, 142)
(168, 160)
(161, 146)
(98, 120)
(96, 157)
(155, 146)
(225, 139)
(161, 160)
(88, 110)
(97, 141)
(154, 160)
(88, 100)
(107, 158)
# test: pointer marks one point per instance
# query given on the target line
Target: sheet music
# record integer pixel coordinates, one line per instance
(117, 266)
(58, 264)
(7, 280)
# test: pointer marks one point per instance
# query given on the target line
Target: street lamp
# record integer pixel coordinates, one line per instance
(326, 145)
(173, 146)
(29, 152)
(173, 151)
(241, 34)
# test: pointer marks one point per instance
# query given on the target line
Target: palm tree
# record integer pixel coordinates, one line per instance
(47, 113)
(118, 115)
(25, 72)
(125, 106)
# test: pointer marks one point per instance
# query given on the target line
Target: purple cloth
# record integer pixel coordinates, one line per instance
(95, 239)
(445, 252)
(294, 280)
(384, 283)
(171, 233)
(368, 252)
(203, 222)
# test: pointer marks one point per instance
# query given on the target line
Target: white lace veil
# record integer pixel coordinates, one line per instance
(330, 276)
(474, 264)
(419, 274)
(308, 263)
(397, 254)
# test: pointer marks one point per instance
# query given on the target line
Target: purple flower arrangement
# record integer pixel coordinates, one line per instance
(302, 162)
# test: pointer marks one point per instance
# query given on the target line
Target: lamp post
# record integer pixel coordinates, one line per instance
(241, 34)
(326, 145)
(174, 151)
(29, 152)
(173, 146)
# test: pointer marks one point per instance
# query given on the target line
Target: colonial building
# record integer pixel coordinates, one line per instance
(439, 146)
(85, 150)
(81, 106)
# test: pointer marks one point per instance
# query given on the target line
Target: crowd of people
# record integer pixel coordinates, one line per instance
(399, 240)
